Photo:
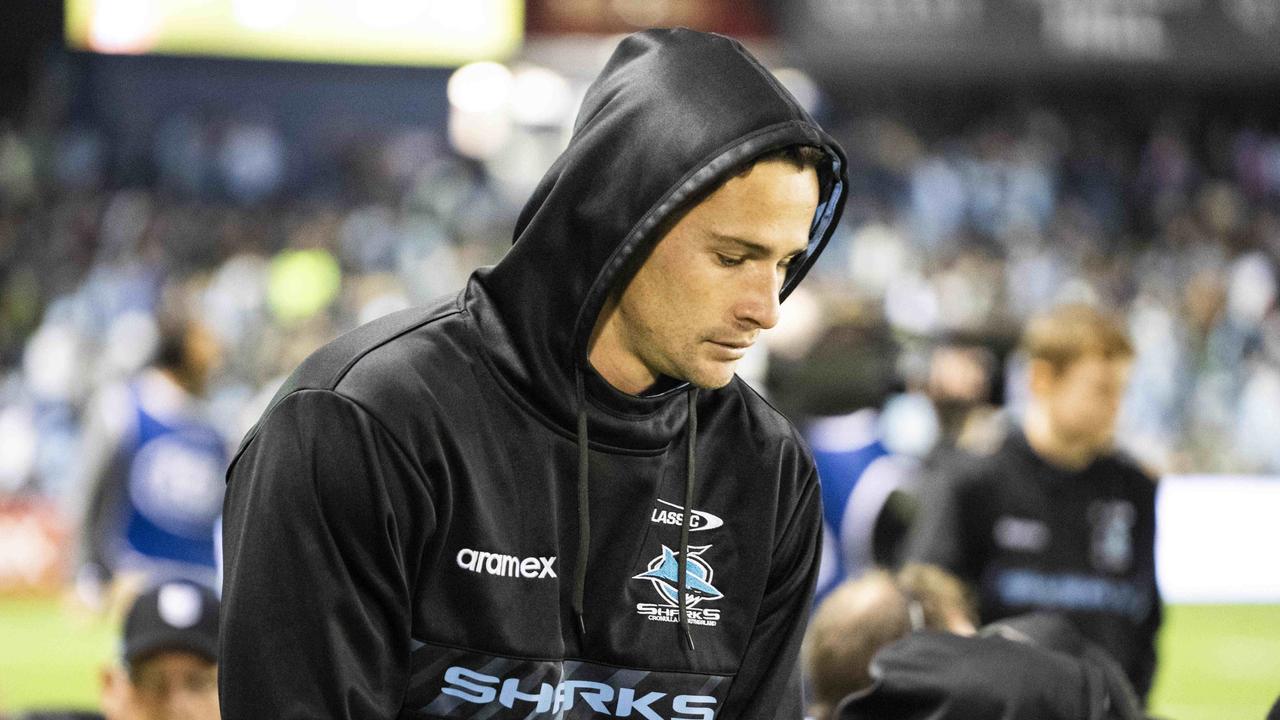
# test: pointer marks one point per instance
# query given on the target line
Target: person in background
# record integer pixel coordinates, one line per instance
(868, 493)
(904, 647)
(152, 472)
(959, 382)
(861, 616)
(873, 462)
(168, 665)
(866, 446)
(1056, 519)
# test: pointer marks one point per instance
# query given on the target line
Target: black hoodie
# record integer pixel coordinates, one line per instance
(1030, 667)
(448, 514)
(937, 676)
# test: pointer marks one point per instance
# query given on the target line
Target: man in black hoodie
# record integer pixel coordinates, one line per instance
(549, 496)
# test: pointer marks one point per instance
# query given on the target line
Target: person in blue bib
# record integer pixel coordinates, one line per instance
(153, 471)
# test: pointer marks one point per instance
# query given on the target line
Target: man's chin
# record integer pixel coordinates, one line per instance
(1101, 444)
(711, 379)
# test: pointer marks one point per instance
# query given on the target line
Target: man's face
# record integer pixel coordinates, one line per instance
(711, 284)
(165, 686)
(1083, 399)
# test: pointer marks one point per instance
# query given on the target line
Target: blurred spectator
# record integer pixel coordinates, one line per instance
(152, 470)
(1055, 519)
(1033, 667)
(866, 494)
(872, 463)
(903, 647)
(866, 439)
(861, 616)
(168, 663)
(959, 381)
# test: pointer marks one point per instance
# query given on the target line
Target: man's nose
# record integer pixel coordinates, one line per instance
(759, 305)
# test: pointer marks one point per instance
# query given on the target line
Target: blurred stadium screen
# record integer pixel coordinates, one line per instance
(373, 32)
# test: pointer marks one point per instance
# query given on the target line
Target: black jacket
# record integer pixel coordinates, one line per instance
(1031, 536)
(938, 676)
(404, 526)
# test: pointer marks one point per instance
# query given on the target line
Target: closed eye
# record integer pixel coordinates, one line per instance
(789, 261)
(728, 260)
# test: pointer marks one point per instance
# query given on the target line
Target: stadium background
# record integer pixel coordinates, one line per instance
(288, 169)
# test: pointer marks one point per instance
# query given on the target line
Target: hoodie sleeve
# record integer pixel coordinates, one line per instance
(767, 684)
(320, 513)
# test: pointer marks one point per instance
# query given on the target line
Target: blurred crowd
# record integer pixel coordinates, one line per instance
(1175, 225)
(214, 235)
(965, 234)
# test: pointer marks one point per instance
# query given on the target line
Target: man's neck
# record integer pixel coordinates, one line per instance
(614, 361)
(1051, 446)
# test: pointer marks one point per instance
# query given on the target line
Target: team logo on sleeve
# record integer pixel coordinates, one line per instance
(664, 574)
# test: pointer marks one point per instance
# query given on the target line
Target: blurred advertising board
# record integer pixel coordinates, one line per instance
(1217, 539)
(739, 18)
(34, 547)
(367, 32)
(1026, 39)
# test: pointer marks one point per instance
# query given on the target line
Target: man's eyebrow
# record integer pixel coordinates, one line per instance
(753, 249)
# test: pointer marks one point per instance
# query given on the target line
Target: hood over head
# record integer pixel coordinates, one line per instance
(673, 114)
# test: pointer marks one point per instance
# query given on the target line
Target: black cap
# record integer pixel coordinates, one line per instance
(176, 615)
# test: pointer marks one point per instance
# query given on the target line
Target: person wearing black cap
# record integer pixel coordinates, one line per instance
(167, 668)
(168, 665)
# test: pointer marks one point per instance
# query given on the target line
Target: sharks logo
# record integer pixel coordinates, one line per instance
(664, 574)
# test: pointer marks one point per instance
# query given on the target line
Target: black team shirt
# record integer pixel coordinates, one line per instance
(1028, 535)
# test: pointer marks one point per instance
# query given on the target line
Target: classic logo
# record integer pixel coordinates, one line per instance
(664, 575)
(698, 521)
(479, 561)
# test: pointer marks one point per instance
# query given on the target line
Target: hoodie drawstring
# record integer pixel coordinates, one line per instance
(584, 514)
(691, 431)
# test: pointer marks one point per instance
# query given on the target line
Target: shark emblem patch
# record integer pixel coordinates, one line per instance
(664, 574)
